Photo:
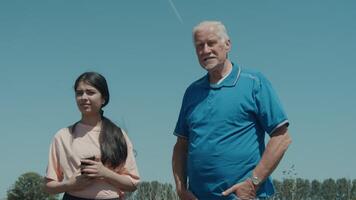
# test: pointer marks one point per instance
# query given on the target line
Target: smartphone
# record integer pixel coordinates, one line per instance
(88, 158)
(85, 164)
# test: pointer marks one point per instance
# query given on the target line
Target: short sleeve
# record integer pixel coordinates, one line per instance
(181, 129)
(270, 112)
(130, 164)
(54, 171)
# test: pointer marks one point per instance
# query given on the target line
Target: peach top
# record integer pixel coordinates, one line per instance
(68, 149)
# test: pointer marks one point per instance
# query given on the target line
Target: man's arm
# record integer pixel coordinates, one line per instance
(179, 160)
(275, 149)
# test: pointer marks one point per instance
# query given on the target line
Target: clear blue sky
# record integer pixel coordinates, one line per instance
(144, 49)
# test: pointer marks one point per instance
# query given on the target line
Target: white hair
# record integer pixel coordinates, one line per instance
(220, 29)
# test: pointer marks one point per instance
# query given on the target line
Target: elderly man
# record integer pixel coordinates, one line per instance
(220, 151)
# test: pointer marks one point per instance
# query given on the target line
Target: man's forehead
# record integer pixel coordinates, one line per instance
(206, 34)
(207, 29)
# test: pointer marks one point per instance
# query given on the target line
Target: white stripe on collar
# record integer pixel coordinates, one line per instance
(221, 80)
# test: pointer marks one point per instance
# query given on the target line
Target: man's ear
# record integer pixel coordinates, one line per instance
(227, 45)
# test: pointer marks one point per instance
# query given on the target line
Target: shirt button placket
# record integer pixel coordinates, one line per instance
(211, 98)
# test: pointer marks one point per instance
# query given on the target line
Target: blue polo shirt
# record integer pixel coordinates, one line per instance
(225, 125)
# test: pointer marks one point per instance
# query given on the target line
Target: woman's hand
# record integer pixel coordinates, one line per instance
(94, 169)
(78, 182)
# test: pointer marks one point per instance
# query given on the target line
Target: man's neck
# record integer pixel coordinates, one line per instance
(220, 72)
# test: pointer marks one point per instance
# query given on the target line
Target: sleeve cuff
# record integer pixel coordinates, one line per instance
(180, 135)
(285, 122)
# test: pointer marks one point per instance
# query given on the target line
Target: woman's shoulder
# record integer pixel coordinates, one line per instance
(128, 141)
(63, 133)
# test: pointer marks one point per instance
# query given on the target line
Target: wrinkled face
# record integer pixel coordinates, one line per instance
(210, 48)
(89, 99)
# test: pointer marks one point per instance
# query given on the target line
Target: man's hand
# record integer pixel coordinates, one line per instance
(244, 190)
(186, 195)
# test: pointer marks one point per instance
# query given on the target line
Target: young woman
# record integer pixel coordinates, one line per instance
(92, 159)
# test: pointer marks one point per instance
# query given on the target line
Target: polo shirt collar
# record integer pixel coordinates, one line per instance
(229, 81)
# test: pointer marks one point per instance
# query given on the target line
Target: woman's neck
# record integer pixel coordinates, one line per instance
(91, 120)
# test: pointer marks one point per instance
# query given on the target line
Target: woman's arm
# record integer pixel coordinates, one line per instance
(122, 180)
(76, 182)
(54, 187)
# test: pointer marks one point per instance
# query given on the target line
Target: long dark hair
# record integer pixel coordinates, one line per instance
(113, 145)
